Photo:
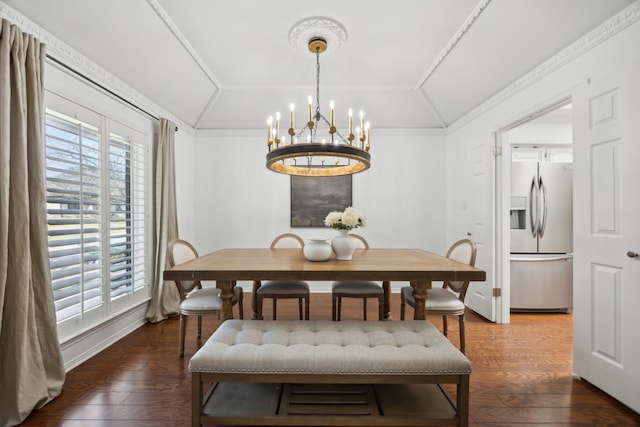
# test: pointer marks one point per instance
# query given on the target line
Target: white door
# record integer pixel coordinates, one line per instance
(480, 294)
(607, 234)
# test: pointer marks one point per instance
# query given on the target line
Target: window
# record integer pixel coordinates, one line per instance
(96, 172)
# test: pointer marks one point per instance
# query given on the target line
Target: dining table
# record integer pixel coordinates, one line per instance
(417, 266)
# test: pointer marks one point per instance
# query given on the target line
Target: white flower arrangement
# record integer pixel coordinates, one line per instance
(349, 219)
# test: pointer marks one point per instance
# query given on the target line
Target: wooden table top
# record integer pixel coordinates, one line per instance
(290, 264)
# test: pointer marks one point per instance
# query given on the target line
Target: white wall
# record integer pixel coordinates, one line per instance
(239, 203)
(611, 54)
(185, 187)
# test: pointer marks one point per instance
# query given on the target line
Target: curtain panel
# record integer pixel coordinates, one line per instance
(165, 300)
(31, 366)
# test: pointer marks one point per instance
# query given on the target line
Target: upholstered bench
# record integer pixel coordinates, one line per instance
(352, 373)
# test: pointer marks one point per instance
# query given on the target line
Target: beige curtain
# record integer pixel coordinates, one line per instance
(31, 366)
(165, 299)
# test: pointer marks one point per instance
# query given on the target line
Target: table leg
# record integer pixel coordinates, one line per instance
(420, 294)
(254, 299)
(226, 294)
(386, 286)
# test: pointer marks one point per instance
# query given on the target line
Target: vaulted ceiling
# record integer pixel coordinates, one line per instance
(408, 63)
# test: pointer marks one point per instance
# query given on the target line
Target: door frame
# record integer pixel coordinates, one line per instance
(502, 247)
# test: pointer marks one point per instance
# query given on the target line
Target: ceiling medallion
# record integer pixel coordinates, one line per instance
(317, 27)
(303, 153)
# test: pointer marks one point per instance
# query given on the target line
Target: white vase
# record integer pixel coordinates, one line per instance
(343, 245)
(317, 249)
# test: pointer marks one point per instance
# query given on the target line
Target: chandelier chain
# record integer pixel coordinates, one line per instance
(317, 115)
(317, 80)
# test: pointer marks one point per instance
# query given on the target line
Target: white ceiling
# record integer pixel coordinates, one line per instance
(230, 64)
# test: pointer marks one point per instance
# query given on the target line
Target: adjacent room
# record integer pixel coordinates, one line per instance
(443, 188)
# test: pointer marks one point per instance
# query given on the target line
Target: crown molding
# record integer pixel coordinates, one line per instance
(335, 87)
(610, 28)
(260, 133)
(166, 20)
(173, 28)
(471, 19)
(432, 107)
(77, 61)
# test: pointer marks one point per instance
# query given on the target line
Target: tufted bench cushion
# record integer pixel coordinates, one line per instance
(327, 373)
(327, 347)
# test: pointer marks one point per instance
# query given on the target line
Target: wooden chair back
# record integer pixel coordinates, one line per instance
(362, 242)
(287, 240)
(463, 251)
(182, 251)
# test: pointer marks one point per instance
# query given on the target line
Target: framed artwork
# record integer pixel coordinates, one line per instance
(313, 197)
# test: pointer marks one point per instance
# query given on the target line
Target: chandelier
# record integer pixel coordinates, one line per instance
(304, 152)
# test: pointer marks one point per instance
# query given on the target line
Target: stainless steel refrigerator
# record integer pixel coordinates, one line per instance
(541, 217)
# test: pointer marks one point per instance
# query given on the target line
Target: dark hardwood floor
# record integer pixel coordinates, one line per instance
(522, 375)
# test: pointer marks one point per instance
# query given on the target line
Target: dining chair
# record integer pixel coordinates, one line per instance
(356, 289)
(447, 300)
(196, 300)
(283, 289)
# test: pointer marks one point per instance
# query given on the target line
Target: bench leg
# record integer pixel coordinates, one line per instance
(462, 401)
(196, 399)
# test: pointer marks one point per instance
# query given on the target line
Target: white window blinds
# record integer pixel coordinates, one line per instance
(74, 214)
(96, 213)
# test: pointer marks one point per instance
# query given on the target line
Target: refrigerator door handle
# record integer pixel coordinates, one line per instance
(533, 197)
(543, 224)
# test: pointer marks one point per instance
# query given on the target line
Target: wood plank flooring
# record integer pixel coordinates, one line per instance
(522, 374)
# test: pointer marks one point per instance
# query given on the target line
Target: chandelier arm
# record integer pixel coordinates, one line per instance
(306, 128)
(337, 132)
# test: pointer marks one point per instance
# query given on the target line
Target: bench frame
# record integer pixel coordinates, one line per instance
(199, 399)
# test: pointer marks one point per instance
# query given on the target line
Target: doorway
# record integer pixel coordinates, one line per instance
(541, 138)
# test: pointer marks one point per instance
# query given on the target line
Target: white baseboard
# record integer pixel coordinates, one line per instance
(86, 345)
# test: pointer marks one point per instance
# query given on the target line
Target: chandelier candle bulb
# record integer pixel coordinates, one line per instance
(269, 138)
(310, 123)
(366, 137)
(332, 105)
(350, 135)
(292, 127)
